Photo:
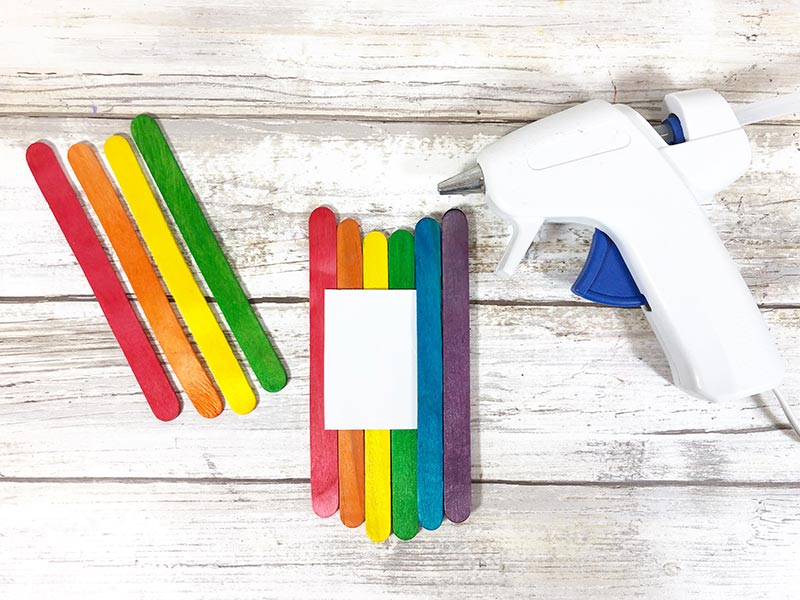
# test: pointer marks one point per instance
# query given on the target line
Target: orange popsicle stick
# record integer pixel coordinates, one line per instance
(144, 281)
(349, 275)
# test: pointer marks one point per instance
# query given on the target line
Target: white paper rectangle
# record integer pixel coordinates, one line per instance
(370, 359)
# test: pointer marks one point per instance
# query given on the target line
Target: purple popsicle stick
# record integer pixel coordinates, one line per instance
(455, 362)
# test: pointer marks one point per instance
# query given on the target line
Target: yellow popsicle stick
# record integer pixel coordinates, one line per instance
(377, 443)
(179, 279)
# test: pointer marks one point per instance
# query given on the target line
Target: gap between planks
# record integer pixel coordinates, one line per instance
(304, 300)
(317, 118)
(543, 483)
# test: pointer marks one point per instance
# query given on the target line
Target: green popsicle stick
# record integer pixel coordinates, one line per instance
(207, 253)
(405, 523)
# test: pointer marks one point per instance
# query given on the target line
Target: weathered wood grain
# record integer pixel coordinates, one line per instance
(456, 60)
(585, 398)
(231, 540)
(600, 479)
(259, 180)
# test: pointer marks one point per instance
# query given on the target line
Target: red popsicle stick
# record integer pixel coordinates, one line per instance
(324, 444)
(86, 247)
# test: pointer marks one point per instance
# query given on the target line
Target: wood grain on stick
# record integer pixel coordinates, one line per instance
(405, 522)
(177, 275)
(377, 443)
(143, 279)
(455, 365)
(85, 245)
(323, 443)
(349, 275)
(428, 273)
(208, 254)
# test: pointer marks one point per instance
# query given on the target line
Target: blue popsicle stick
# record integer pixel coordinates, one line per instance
(430, 449)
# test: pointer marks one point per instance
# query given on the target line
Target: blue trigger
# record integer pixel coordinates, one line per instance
(605, 277)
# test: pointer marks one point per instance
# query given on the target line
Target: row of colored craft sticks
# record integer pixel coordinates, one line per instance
(397, 480)
(121, 230)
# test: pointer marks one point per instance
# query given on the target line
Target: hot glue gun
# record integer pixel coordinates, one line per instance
(639, 186)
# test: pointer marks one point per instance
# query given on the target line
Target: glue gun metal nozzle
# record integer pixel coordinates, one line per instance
(468, 182)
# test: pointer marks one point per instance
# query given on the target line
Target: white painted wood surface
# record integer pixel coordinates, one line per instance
(594, 476)
(228, 540)
(457, 60)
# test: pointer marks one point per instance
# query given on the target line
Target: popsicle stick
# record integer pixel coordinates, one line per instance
(405, 522)
(144, 281)
(455, 361)
(349, 275)
(377, 442)
(428, 269)
(178, 277)
(85, 245)
(323, 443)
(207, 253)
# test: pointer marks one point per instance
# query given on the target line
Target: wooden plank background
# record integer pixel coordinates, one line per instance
(593, 475)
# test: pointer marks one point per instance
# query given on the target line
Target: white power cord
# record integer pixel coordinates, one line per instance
(770, 108)
(764, 110)
(787, 410)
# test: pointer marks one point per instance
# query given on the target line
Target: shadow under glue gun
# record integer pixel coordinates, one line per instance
(605, 166)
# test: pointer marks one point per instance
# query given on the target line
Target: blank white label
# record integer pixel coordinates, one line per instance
(370, 359)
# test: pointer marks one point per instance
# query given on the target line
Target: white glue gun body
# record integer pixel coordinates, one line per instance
(605, 166)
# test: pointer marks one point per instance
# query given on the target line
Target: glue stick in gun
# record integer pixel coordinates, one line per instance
(640, 187)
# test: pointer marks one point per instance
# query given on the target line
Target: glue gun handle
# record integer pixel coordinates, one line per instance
(700, 308)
